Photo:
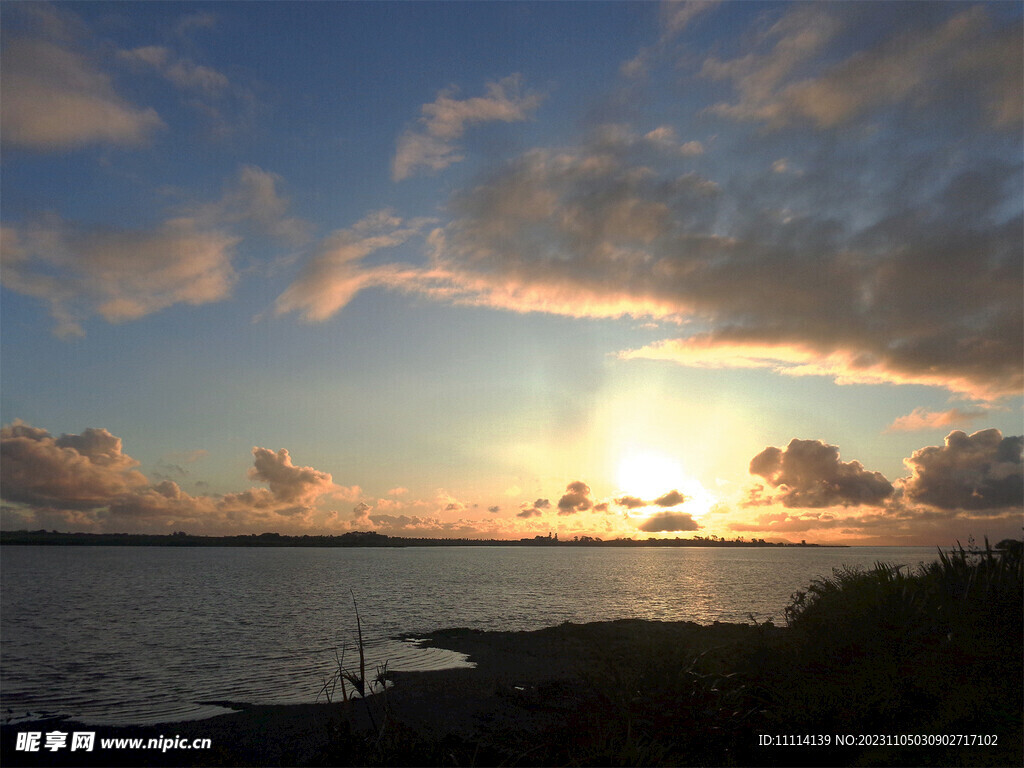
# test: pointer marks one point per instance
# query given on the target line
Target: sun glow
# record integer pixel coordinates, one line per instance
(650, 476)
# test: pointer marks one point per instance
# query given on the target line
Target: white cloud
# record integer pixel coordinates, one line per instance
(181, 73)
(126, 274)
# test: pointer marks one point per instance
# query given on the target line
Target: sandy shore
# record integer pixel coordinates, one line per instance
(520, 680)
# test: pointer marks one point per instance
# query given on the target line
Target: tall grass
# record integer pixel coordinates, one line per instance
(362, 685)
(936, 648)
(964, 590)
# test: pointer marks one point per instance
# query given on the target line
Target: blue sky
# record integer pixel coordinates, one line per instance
(499, 269)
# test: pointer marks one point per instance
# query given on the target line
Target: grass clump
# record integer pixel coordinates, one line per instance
(932, 650)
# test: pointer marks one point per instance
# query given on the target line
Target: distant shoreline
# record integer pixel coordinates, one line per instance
(356, 539)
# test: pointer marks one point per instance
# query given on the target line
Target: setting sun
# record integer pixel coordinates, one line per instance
(463, 334)
(651, 476)
(489, 306)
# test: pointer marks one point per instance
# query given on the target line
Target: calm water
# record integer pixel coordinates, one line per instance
(144, 634)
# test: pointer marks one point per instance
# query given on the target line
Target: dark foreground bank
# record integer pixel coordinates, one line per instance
(610, 693)
(875, 668)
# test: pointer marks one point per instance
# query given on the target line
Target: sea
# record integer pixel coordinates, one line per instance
(142, 635)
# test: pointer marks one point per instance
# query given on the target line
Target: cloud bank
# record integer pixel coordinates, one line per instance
(87, 481)
(81, 471)
(970, 479)
(929, 66)
(854, 260)
(592, 233)
(868, 254)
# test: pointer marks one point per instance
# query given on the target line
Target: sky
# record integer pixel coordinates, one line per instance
(499, 270)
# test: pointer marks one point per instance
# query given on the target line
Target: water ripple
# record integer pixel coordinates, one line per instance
(142, 635)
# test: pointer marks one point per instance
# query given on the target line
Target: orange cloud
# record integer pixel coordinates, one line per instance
(289, 484)
(81, 471)
(844, 366)
(445, 502)
(361, 514)
(433, 144)
(119, 274)
(921, 419)
(56, 98)
(334, 275)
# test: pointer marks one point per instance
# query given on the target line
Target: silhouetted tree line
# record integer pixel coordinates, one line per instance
(356, 539)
